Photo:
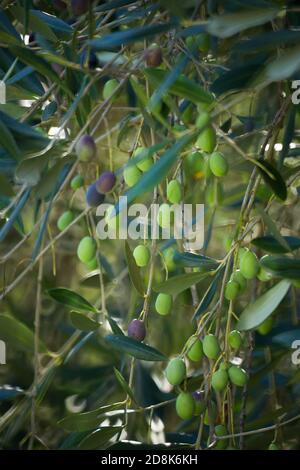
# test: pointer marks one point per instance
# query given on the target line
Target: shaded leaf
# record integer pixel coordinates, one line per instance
(124, 384)
(272, 178)
(271, 245)
(191, 260)
(177, 284)
(71, 299)
(282, 266)
(100, 438)
(81, 422)
(17, 334)
(209, 295)
(134, 348)
(83, 322)
(256, 312)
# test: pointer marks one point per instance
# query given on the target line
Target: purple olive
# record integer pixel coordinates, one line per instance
(79, 7)
(105, 182)
(93, 197)
(137, 330)
(86, 148)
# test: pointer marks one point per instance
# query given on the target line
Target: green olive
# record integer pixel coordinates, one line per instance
(218, 164)
(141, 255)
(214, 194)
(238, 376)
(264, 275)
(266, 326)
(235, 339)
(174, 192)
(164, 216)
(132, 175)
(273, 446)
(220, 431)
(219, 380)
(64, 220)
(163, 304)
(202, 120)
(176, 371)
(249, 265)
(168, 255)
(239, 278)
(194, 349)
(185, 405)
(146, 162)
(207, 140)
(109, 88)
(77, 182)
(211, 347)
(232, 290)
(86, 249)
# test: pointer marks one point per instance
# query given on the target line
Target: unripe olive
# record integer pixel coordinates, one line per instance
(212, 416)
(211, 347)
(235, 339)
(137, 330)
(77, 182)
(163, 303)
(64, 220)
(164, 216)
(218, 164)
(219, 380)
(185, 405)
(141, 255)
(174, 192)
(199, 403)
(93, 264)
(273, 446)
(105, 182)
(86, 249)
(79, 7)
(232, 290)
(109, 88)
(221, 430)
(194, 165)
(249, 265)
(176, 371)
(241, 252)
(202, 120)
(207, 140)
(239, 278)
(146, 162)
(204, 42)
(238, 376)
(194, 349)
(93, 197)
(266, 326)
(264, 275)
(132, 175)
(168, 255)
(86, 148)
(153, 56)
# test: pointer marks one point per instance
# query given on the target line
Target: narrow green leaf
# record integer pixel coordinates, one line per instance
(100, 439)
(114, 326)
(209, 295)
(17, 334)
(134, 348)
(81, 422)
(271, 245)
(282, 266)
(227, 25)
(269, 222)
(71, 299)
(82, 322)
(124, 384)
(191, 260)
(272, 178)
(8, 142)
(134, 271)
(177, 284)
(183, 86)
(256, 312)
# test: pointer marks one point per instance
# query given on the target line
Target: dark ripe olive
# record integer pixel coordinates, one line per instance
(93, 197)
(105, 182)
(137, 330)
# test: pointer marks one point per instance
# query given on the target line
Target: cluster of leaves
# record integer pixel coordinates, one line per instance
(221, 76)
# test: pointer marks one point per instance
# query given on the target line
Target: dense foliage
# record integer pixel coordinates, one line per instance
(130, 343)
